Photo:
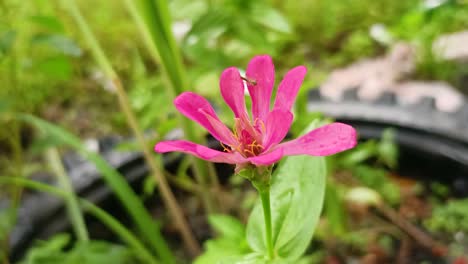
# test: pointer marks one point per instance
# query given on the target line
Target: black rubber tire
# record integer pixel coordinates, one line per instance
(434, 141)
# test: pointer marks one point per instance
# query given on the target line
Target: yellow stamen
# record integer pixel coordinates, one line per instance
(251, 152)
(224, 147)
(238, 148)
(252, 146)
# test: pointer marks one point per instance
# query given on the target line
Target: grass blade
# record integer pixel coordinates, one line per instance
(97, 212)
(71, 201)
(143, 221)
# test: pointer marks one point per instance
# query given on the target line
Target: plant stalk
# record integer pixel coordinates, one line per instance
(166, 193)
(265, 197)
(71, 200)
(153, 20)
(261, 180)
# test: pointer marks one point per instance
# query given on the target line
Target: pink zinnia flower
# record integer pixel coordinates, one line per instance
(256, 140)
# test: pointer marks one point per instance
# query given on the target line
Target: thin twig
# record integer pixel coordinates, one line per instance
(417, 234)
(404, 252)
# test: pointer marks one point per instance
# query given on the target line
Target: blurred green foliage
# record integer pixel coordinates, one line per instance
(41, 59)
(422, 24)
(35, 54)
(56, 251)
(451, 217)
(227, 32)
(336, 32)
(230, 241)
(45, 70)
(370, 163)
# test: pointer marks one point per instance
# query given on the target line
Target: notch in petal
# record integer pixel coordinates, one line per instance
(323, 141)
(288, 88)
(199, 110)
(232, 90)
(262, 73)
(199, 151)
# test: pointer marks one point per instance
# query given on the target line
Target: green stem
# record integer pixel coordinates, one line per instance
(114, 225)
(265, 197)
(71, 200)
(140, 23)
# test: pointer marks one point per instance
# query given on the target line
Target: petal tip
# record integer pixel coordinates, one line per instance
(183, 98)
(301, 69)
(262, 58)
(159, 147)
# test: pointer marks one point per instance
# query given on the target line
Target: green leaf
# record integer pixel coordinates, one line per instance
(59, 43)
(222, 250)
(230, 246)
(7, 39)
(48, 22)
(227, 226)
(58, 67)
(387, 149)
(149, 186)
(54, 251)
(297, 194)
(334, 210)
(271, 18)
(377, 179)
(5, 105)
(209, 25)
(359, 154)
(257, 258)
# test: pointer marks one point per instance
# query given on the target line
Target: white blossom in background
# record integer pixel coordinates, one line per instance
(180, 29)
(379, 33)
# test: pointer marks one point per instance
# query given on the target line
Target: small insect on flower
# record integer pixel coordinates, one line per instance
(256, 139)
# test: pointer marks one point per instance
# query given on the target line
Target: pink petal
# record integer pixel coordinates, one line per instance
(323, 141)
(199, 151)
(288, 88)
(268, 158)
(199, 110)
(277, 126)
(262, 71)
(232, 90)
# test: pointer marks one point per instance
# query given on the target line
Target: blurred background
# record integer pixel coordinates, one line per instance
(46, 68)
(357, 52)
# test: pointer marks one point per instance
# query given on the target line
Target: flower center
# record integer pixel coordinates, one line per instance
(249, 138)
(249, 146)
